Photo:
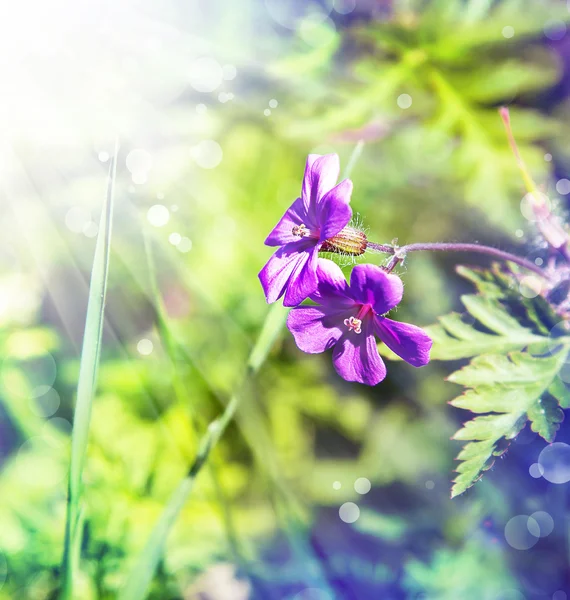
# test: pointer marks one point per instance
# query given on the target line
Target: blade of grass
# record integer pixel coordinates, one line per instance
(141, 575)
(86, 385)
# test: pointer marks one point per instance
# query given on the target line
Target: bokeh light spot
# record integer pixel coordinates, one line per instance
(45, 405)
(145, 346)
(138, 161)
(508, 31)
(555, 29)
(518, 535)
(336, 485)
(349, 512)
(208, 154)
(404, 101)
(561, 329)
(28, 377)
(530, 286)
(362, 485)
(563, 186)
(206, 74)
(555, 462)
(544, 522)
(158, 215)
(185, 245)
(535, 470)
(344, 7)
(529, 208)
(91, 229)
(139, 177)
(174, 238)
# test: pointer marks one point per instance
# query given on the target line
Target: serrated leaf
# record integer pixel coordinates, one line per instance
(559, 390)
(454, 338)
(514, 389)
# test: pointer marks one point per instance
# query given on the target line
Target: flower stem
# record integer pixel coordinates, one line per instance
(399, 253)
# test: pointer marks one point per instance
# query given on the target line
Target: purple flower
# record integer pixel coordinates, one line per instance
(349, 318)
(320, 213)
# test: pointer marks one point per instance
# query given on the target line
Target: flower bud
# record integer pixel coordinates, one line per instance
(349, 241)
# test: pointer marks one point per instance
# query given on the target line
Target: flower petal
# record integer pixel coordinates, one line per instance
(408, 341)
(276, 274)
(303, 280)
(356, 358)
(332, 289)
(333, 211)
(282, 232)
(314, 328)
(370, 284)
(321, 175)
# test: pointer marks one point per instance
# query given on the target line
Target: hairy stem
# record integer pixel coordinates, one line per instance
(399, 253)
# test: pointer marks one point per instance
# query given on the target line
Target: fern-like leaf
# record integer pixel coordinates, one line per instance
(510, 390)
(513, 375)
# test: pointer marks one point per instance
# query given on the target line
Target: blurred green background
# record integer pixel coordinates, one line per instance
(216, 105)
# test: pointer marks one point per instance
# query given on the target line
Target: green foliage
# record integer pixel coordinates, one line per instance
(457, 66)
(510, 390)
(512, 377)
(474, 572)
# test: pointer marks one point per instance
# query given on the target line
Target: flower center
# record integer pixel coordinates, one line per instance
(302, 231)
(364, 309)
(353, 324)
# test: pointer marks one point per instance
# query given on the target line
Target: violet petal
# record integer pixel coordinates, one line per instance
(282, 233)
(314, 328)
(333, 211)
(303, 280)
(408, 341)
(276, 274)
(332, 289)
(321, 175)
(356, 358)
(370, 284)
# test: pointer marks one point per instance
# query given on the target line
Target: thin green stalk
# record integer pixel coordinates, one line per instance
(86, 386)
(141, 575)
(354, 156)
(172, 349)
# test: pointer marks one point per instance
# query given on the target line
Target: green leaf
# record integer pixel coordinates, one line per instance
(456, 338)
(513, 376)
(513, 389)
(87, 384)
